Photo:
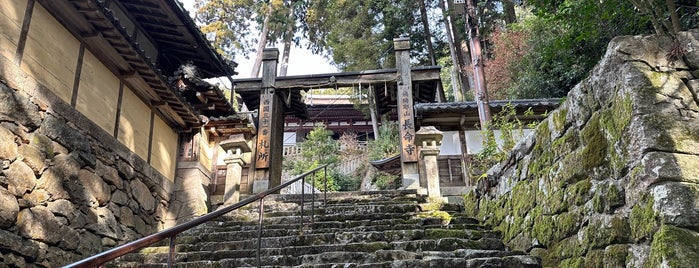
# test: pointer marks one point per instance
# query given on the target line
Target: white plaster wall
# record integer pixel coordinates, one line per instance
(474, 139)
(451, 144)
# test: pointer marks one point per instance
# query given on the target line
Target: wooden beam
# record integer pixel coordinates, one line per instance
(213, 131)
(202, 98)
(171, 115)
(376, 77)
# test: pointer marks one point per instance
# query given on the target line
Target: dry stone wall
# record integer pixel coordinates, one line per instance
(68, 190)
(611, 178)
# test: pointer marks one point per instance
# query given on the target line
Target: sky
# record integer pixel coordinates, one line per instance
(301, 61)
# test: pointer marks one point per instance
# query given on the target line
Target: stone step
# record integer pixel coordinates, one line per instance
(399, 213)
(276, 206)
(336, 235)
(225, 240)
(351, 209)
(242, 249)
(353, 197)
(378, 258)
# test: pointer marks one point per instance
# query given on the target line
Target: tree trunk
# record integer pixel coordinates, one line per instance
(288, 36)
(428, 34)
(261, 46)
(476, 58)
(457, 83)
(460, 57)
(430, 48)
(674, 18)
(510, 15)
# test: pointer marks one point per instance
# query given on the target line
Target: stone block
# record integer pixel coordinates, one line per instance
(690, 42)
(104, 223)
(95, 186)
(10, 242)
(33, 157)
(109, 174)
(16, 108)
(142, 195)
(43, 143)
(38, 223)
(37, 197)
(51, 181)
(62, 207)
(8, 209)
(21, 178)
(677, 203)
(8, 147)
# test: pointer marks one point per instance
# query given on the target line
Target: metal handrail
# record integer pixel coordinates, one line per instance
(172, 232)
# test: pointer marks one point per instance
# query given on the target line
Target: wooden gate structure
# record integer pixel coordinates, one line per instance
(275, 97)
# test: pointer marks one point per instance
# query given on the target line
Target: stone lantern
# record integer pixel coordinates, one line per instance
(235, 146)
(429, 139)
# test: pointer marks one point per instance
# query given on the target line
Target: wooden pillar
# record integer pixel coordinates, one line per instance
(270, 131)
(406, 118)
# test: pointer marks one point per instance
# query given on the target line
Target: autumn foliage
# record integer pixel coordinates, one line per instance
(508, 46)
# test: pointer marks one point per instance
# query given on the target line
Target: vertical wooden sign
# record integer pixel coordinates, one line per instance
(406, 123)
(264, 137)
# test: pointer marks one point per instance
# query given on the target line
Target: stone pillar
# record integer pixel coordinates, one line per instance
(270, 131)
(235, 146)
(430, 139)
(406, 118)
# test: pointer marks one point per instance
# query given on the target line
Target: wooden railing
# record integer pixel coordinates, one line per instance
(171, 233)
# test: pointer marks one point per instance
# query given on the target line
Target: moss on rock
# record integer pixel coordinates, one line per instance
(471, 204)
(674, 247)
(615, 255)
(602, 232)
(579, 193)
(568, 248)
(643, 219)
(559, 119)
(607, 197)
(521, 196)
(550, 230)
(444, 233)
(554, 202)
(594, 152)
(594, 258)
(573, 263)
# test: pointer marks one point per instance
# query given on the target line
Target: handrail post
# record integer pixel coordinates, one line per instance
(325, 194)
(171, 252)
(259, 232)
(303, 193)
(313, 198)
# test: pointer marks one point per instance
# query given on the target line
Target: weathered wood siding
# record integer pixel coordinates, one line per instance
(164, 148)
(11, 17)
(98, 93)
(134, 124)
(51, 53)
(206, 150)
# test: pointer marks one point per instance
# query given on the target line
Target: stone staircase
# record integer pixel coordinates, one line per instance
(355, 229)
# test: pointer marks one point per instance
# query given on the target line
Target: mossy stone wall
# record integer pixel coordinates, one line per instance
(611, 178)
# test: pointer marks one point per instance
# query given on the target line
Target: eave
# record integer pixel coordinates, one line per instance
(452, 116)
